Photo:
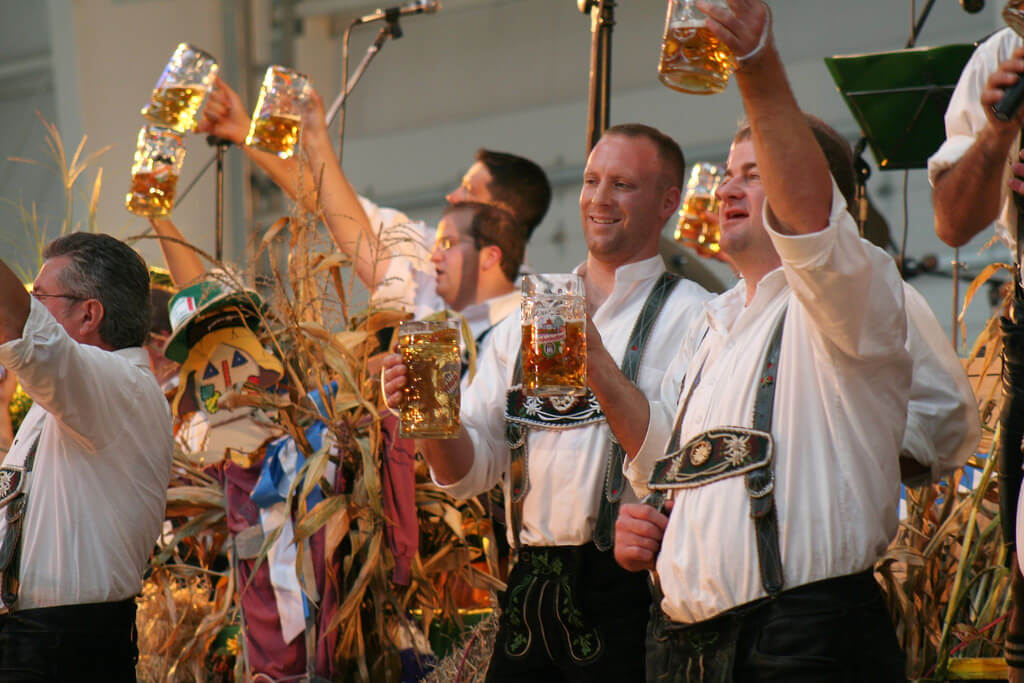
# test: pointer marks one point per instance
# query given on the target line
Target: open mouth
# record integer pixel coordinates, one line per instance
(603, 221)
(735, 214)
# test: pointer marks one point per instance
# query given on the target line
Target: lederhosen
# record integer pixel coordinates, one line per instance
(14, 504)
(710, 649)
(552, 578)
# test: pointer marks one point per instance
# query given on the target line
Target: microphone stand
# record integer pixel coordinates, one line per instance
(602, 19)
(222, 146)
(390, 29)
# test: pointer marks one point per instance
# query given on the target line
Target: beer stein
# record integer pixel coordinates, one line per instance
(277, 121)
(430, 351)
(698, 216)
(554, 346)
(181, 89)
(693, 60)
(158, 160)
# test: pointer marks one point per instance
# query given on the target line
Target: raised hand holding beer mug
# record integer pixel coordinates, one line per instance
(693, 59)
(277, 120)
(698, 215)
(554, 346)
(181, 89)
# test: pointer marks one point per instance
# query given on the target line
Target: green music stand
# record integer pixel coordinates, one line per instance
(899, 99)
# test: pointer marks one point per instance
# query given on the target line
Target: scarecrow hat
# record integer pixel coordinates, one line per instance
(196, 303)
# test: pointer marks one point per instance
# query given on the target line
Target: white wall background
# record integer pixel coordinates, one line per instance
(505, 74)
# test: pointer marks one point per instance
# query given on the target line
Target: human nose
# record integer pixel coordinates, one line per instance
(455, 196)
(729, 187)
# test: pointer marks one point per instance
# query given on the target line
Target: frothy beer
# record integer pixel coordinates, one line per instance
(694, 61)
(277, 134)
(554, 356)
(175, 107)
(431, 405)
(152, 193)
(698, 224)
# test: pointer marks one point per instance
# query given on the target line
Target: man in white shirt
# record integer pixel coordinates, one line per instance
(782, 470)
(569, 612)
(974, 175)
(85, 483)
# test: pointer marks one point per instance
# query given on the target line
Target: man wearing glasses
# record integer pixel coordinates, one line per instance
(84, 485)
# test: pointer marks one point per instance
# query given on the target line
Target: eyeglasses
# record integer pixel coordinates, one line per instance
(446, 243)
(70, 297)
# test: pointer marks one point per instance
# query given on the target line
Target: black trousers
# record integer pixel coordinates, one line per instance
(92, 642)
(571, 614)
(836, 630)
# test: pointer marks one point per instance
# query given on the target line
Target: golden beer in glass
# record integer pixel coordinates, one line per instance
(698, 216)
(554, 344)
(181, 89)
(277, 120)
(430, 351)
(159, 156)
(693, 60)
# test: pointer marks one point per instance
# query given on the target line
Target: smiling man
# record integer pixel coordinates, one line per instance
(84, 485)
(570, 613)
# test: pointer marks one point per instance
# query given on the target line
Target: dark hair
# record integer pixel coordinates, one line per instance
(491, 225)
(104, 268)
(159, 316)
(836, 149)
(673, 163)
(519, 185)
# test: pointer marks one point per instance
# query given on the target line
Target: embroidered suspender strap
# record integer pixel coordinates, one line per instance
(615, 479)
(14, 501)
(726, 451)
(583, 411)
(761, 481)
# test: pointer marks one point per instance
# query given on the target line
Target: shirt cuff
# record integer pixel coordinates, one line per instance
(810, 250)
(948, 154)
(15, 353)
(659, 429)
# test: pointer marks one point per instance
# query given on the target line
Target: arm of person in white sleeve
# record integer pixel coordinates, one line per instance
(943, 425)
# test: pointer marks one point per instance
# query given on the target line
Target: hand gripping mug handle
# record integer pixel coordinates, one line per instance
(384, 395)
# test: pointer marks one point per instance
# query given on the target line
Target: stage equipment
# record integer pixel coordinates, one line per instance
(602, 19)
(417, 7)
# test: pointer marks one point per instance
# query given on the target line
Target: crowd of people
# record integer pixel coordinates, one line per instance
(712, 509)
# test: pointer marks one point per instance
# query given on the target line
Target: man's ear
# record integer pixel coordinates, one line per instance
(91, 317)
(490, 257)
(670, 200)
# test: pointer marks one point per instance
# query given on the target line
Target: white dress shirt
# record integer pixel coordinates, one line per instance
(965, 118)
(98, 489)
(943, 425)
(566, 468)
(840, 411)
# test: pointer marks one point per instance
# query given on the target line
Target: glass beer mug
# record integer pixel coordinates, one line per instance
(554, 346)
(693, 60)
(181, 89)
(158, 160)
(277, 121)
(698, 216)
(430, 351)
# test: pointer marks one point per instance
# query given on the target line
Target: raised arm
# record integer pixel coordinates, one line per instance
(794, 172)
(342, 211)
(181, 258)
(960, 215)
(226, 117)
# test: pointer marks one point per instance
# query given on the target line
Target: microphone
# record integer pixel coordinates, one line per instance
(972, 6)
(391, 13)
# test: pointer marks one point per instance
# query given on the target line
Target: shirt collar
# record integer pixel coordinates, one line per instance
(723, 310)
(487, 313)
(634, 272)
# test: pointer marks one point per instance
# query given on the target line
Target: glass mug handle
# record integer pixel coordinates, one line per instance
(384, 394)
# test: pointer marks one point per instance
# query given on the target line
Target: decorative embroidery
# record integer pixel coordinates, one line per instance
(737, 448)
(700, 453)
(7, 479)
(533, 405)
(562, 403)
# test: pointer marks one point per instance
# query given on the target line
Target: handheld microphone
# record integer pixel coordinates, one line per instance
(415, 7)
